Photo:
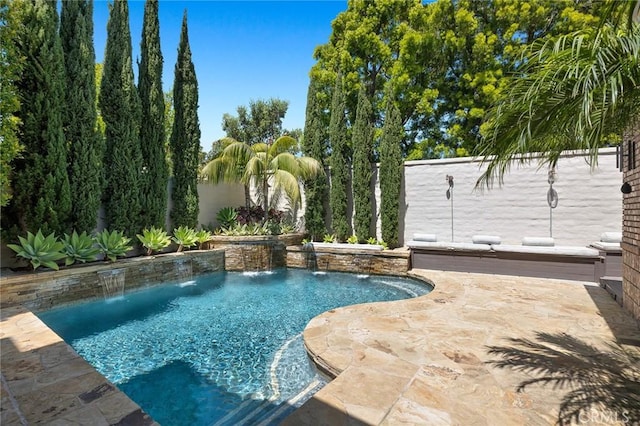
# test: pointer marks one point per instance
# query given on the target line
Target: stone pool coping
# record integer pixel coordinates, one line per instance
(44, 381)
(416, 361)
(424, 360)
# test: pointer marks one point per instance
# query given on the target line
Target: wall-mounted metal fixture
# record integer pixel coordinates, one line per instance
(552, 198)
(450, 197)
(629, 155)
(626, 188)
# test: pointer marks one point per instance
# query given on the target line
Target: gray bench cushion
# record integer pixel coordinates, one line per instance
(556, 250)
(447, 246)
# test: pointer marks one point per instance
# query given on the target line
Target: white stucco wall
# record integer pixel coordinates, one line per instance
(590, 201)
(214, 197)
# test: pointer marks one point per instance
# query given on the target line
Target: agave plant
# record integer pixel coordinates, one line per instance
(39, 250)
(184, 237)
(203, 236)
(79, 248)
(353, 239)
(154, 239)
(227, 216)
(329, 238)
(113, 244)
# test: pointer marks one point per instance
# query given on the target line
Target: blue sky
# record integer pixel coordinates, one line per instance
(242, 51)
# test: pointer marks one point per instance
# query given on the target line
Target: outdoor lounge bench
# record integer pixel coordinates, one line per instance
(542, 260)
(609, 248)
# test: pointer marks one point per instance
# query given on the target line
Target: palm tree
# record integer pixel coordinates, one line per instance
(263, 165)
(570, 93)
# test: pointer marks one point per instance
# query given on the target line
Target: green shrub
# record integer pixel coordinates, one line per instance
(39, 250)
(372, 240)
(202, 237)
(352, 239)
(184, 237)
(227, 217)
(113, 244)
(79, 248)
(154, 239)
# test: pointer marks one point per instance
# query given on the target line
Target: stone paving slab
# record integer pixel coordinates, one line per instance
(44, 381)
(426, 360)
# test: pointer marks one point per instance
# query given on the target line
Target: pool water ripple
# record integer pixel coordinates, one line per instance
(190, 355)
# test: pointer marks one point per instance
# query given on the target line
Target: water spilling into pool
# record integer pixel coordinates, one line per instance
(226, 349)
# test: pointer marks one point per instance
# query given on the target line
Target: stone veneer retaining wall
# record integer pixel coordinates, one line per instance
(255, 252)
(42, 290)
(631, 227)
(349, 259)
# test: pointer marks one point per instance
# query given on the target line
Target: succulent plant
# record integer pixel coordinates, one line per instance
(79, 248)
(39, 250)
(184, 237)
(113, 244)
(154, 239)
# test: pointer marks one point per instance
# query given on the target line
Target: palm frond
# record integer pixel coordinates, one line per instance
(283, 144)
(288, 183)
(285, 161)
(238, 152)
(254, 170)
(570, 93)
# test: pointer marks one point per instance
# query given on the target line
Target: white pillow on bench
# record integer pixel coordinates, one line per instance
(428, 238)
(486, 239)
(611, 237)
(538, 241)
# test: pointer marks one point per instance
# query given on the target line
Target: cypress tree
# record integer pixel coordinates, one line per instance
(391, 169)
(153, 196)
(316, 189)
(185, 136)
(119, 105)
(86, 150)
(340, 218)
(362, 142)
(11, 65)
(41, 196)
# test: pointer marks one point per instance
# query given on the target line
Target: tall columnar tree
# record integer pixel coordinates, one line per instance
(314, 145)
(185, 136)
(120, 108)
(86, 147)
(340, 170)
(391, 170)
(10, 69)
(41, 196)
(362, 143)
(155, 174)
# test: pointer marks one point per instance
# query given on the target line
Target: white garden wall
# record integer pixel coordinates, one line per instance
(590, 201)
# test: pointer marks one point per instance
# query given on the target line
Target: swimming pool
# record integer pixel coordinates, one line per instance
(224, 348)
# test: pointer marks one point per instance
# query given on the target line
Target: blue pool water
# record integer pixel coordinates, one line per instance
(225, 348)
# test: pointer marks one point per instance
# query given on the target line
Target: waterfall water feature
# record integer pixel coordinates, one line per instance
(320, 264)
(112, 282)
(362, 263)
(184, 272)
(257, 258)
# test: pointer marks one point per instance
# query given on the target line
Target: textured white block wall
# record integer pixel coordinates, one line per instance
(590, 201)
